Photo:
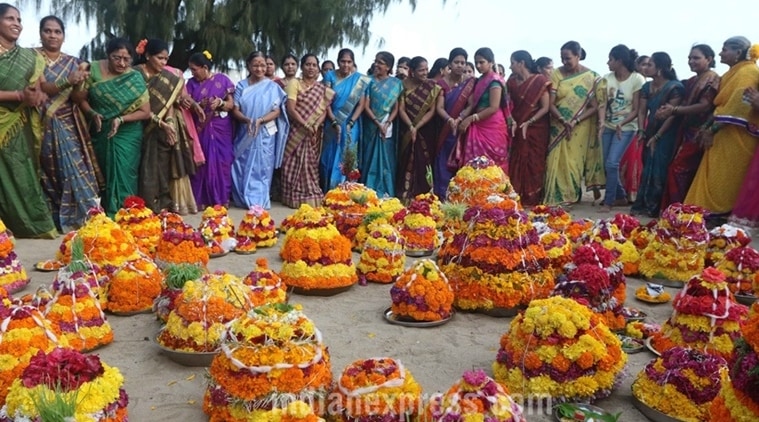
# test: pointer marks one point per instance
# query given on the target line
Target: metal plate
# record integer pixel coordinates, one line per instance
(580, 406)
(218, 255)
(747, 300)
(652, 413)
(418, 254)
(186, 358)
(631, 345)
(39, 266)
(407, 322)
(666, 282)
(650, 346)
(633, 314)
(320, 292)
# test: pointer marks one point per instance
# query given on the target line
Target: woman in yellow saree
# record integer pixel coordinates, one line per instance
(574, 149)
(732, 135)
(22, 206)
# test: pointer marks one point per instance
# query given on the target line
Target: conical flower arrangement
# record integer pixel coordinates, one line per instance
(12, 274)
(478, 179)
(141, 223)
(218, 230)
(348, 202)
(256, 230)
(176, 275)
(383, 255)
(181, 244)
(265, 284)
(422, 293)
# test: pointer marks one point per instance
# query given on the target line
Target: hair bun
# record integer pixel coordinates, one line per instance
(207, 54)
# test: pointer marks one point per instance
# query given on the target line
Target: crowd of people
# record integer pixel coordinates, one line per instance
(74, 134)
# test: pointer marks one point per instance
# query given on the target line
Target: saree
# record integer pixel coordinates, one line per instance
(71, 177)
(256, 157)
(22, 204)
(688, 154)
(655, 164)
(118, 157)
(724, 165)
(376, 158)
(348, 93)
(577, 156)
(489, 137)
(456, 99)
(414, 157)
(631, 167)
(527, 159)
(212, 182)
(300, 164)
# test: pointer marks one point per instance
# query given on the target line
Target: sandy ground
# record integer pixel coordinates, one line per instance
(353, 327)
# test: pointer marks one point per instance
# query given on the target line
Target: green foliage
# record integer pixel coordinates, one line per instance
(78, 262)
(178, 274)
(229, 29)
(58, 408)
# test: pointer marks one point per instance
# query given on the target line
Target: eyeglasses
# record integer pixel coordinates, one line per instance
(121, 59)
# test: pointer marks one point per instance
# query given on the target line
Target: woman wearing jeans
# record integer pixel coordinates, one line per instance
(620, 122)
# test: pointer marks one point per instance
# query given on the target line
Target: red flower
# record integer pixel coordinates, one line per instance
(65, 367)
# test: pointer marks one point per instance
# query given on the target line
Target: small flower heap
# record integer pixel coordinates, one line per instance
(218, 230)
(677, 249)
(477, 180)
(595, 279)
(498, 260)
(181, 244)
(557, 218)
(376, 390)
(196, 324)
(381, 212)
(434, 202)
(257, 230)
(738, 399)
(63, 253)
(94, 389)
(418, 227)
(134, 286)
(626, 224)
(682, 383)
(176, 275)
(557, 246)
(348, 202)
(722, 239)
(383, 256)
(577, 229)
(265, 284)
(271, 357)
(422, 293)
(741, 268)
(559, 348)
(705, 317)
(305, 211)
(475, 397)
(23, 332)
(316, 255)
(170, 220)
(12, 274)
(106, 243)
(141, 223)
(611, 237)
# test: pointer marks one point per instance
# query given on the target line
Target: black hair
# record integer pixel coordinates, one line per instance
(437, 67)
(200, 59)
(458, 51)
(253, 55)
(403, 60)
(470, 64)
(152, 47)
(288, 56)
(417, 61)
(707, 52)
(47, 18)
(522, 56)
(486, 53)
(4, 7)
(345, 51)
(664, 63)
(386, 57)
(575, 48)
(118, 43)
(307, 55)
(542, 62)
(624, 54)
(317, 60)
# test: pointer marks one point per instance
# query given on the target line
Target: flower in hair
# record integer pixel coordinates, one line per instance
(753, 52)
(207, 54)
(140, 49)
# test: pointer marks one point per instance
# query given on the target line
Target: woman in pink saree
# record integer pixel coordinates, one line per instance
(486, 132)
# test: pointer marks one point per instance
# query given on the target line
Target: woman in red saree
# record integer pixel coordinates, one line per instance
(528, 91)
(485, 130)
(631, 164)
(417, 137)
(696, 110)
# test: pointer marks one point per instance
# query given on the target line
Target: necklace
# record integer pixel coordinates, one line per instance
(4, 49)
(48, 59)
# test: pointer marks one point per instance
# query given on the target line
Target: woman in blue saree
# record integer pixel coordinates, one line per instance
(344, 129)
(377, 148)
(69, 171)
(260, 141)
(660, 134)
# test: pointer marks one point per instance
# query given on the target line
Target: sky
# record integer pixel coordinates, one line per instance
(538, 26)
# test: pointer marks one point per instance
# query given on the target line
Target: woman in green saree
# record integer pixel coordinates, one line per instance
(22, 206)
(116, 101)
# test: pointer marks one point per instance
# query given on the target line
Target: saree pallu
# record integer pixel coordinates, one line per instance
(212, 181)
(300, 164)
(70, 175)
(489, 137)
(456, 100)
(414, 157)
(377, 160)
(688, 154)
(631, 167)
(527, 158)
(257, 157)
(725, 164)
(161, 163)
(22, 205)
(572, 158)
(655, 164)
(348, 94)
(118, 157)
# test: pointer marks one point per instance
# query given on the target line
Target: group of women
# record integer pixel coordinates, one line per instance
(95, 133)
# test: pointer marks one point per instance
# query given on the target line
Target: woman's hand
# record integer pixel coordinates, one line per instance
(33, 96)
(200, 112)
(413, 133)
(115, 125)
(751, 96)
(383, 129)
(97, 121)
(665, 111)
(524, 126)
(171, 133)
(464, 125)
(705, 138)
(78, 76)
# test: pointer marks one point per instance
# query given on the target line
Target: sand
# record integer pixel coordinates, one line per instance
(353, 327)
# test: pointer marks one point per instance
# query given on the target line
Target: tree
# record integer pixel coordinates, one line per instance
(230, 29)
